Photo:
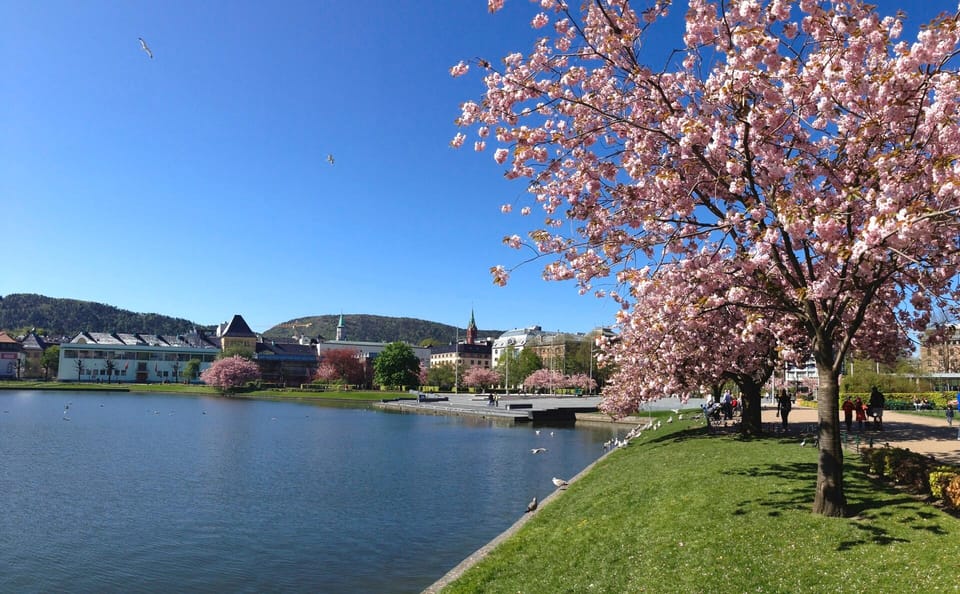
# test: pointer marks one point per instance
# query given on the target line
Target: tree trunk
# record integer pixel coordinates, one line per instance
(751, 401)
(829, 499)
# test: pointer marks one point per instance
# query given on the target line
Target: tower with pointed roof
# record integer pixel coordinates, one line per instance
(340, 333)
(238, 335)
(472, 330)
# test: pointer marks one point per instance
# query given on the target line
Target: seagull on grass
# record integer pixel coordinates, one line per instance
(145, 47)
(532, 505)
(559, 482)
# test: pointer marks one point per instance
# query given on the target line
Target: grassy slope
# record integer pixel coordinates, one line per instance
(687, 512)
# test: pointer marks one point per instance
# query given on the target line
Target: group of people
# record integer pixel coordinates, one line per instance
(862, 411)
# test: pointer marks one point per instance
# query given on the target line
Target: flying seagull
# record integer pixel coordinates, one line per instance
(559, 482)
(538, 450)
(532, 505)
(145, 47)
(330, 159)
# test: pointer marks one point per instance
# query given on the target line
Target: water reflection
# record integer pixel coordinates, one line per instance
(195, 493)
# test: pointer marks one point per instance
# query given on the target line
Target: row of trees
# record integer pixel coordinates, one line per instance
(539, 380)
(784, 184)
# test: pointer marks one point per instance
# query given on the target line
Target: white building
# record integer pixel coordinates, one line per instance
(139, 358)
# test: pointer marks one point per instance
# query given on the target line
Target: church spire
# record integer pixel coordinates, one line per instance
(472, 329)
(340, 328)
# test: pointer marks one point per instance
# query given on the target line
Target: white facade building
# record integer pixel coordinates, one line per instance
(139, 358)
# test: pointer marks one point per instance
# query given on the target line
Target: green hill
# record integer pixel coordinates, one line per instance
(373, 328)
(21, 312)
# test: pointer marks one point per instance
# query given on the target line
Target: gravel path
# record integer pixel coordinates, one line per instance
(918, 433)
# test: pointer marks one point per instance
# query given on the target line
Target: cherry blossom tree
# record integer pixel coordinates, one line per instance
(482, 377)
(326, 372)
(347, 362)
(544, 379)
(230, 373)
(794, 155)
(581, 381)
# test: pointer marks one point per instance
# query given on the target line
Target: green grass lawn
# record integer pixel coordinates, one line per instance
(683, 511)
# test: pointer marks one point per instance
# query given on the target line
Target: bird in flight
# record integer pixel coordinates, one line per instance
(145, 47)
(330, 159)
(538, 450)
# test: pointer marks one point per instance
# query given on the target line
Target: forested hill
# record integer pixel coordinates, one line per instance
(21, 312)
(371, 328)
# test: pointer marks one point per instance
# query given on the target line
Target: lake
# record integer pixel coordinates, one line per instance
(119, 492)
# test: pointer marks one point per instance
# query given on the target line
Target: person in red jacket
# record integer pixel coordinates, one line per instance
(861, 411)
(848, 407)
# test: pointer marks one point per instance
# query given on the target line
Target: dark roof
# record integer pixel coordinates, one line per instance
(287, 351)
(238, 328)
(463, 348)
(32, 342)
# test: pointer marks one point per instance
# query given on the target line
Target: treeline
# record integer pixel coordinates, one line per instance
(365, 327)
(22, 312)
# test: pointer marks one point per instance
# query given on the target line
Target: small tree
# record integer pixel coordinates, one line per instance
(229, 374)
(396, 365)
(110, 365)
(191, 370)
(50, 361)
(481, 377)
(326, 373)
(441, 375)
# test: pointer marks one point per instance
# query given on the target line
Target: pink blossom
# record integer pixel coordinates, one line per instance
(789, 180)
(506, 208)
(540, 20)
(459, 69)
(457, 141)
(494, 5)
(513, 241)
(500, 155)
(230, 373)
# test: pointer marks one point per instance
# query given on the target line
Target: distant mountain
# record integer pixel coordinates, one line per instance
(371, 328)
(68, 317)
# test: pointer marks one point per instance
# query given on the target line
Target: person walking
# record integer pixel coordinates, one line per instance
(877, 402)
(861, 411)
(783, 407)
(847, 407)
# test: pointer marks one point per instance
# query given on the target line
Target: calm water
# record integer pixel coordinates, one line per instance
(166, 493)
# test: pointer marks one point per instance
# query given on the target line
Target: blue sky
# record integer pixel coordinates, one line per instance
(196, 183)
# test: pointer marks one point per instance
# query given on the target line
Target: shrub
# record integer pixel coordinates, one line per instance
(875, 459)
(951, 493)
(911, 470)
(940, 477)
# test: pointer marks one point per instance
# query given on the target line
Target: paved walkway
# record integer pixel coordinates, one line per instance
(918, 433)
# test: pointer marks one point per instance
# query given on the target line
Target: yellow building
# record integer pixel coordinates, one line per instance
(237, 335)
